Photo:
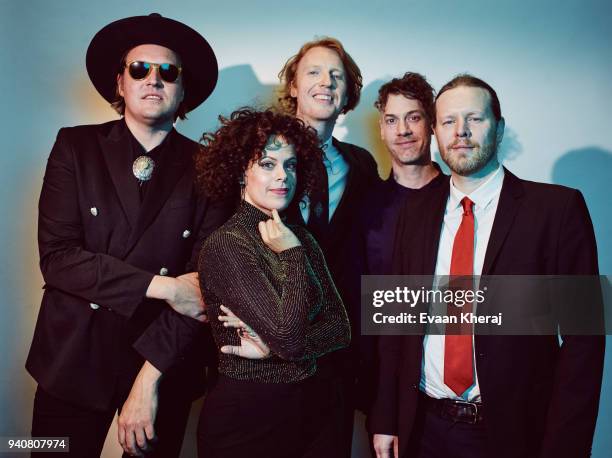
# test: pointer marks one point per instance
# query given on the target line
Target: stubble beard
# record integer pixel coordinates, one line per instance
(420, 157)
(468, 165)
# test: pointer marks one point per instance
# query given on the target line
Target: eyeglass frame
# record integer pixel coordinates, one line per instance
(152, 66)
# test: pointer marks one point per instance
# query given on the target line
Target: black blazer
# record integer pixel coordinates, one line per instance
(334, 240)
(362, 175)
(541, 399)
(99, 249)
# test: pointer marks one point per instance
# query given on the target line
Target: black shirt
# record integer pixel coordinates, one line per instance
(378, 220)
(372, 242)
(157, 154)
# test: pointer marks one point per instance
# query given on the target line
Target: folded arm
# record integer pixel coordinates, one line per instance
(230, 268)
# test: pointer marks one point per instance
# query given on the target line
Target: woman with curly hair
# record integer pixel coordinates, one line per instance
(259, 271)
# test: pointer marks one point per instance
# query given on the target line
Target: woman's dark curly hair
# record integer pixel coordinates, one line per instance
(225, 155)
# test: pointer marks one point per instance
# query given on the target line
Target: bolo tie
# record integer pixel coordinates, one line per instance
(142, 168)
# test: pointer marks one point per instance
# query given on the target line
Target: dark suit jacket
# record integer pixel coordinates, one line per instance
(99, 249)
(334, 240)
(372, 246)
(540, 398)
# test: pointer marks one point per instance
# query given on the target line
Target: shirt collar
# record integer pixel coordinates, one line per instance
(138, 150)
(249, 216)
(431, 183)
(330, 152)
(483, 195)
(326, 144)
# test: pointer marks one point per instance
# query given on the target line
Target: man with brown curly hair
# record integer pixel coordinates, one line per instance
(405, 108)
(318, 84)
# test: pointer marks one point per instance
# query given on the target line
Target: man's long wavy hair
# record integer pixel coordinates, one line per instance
(287, 75)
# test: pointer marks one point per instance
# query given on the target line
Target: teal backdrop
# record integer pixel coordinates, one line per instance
(550, 62)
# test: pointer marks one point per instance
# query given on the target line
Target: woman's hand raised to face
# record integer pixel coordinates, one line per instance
(276, 235)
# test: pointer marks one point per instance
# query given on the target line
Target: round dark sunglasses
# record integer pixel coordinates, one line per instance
(139, 70)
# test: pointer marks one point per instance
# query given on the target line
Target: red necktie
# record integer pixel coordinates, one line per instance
(458, 364)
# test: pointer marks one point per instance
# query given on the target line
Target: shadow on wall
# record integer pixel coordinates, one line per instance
(589, 170)
(237, 86)
(362, 128)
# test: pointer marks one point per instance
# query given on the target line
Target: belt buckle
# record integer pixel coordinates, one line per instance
(475, 412)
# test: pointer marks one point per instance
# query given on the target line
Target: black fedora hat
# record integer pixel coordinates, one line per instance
(110, 44)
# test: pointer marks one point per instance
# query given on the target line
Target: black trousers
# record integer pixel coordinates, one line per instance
(344, 412)
(271, 420)
(437, 437)
(87, 429)
(336, 371)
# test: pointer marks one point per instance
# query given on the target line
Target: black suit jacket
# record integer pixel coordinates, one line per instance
(99, 249)
(541, 398)
(335, 240)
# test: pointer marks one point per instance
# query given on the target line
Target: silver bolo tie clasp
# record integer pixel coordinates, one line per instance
(142, 168)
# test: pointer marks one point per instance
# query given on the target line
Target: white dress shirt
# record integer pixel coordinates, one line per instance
(337, 172)
(485, 198)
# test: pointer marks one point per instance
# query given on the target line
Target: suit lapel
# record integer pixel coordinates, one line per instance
(509, 202)
(350, 177)
(173, 163)
(432, 226)
(116, 148)
(293, 214)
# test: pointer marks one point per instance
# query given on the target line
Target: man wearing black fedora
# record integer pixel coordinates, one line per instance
(120, 227)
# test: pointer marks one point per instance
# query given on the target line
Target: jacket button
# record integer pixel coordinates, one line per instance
(163, 271)
(94, 306)
(94, 211)
(186, 233)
